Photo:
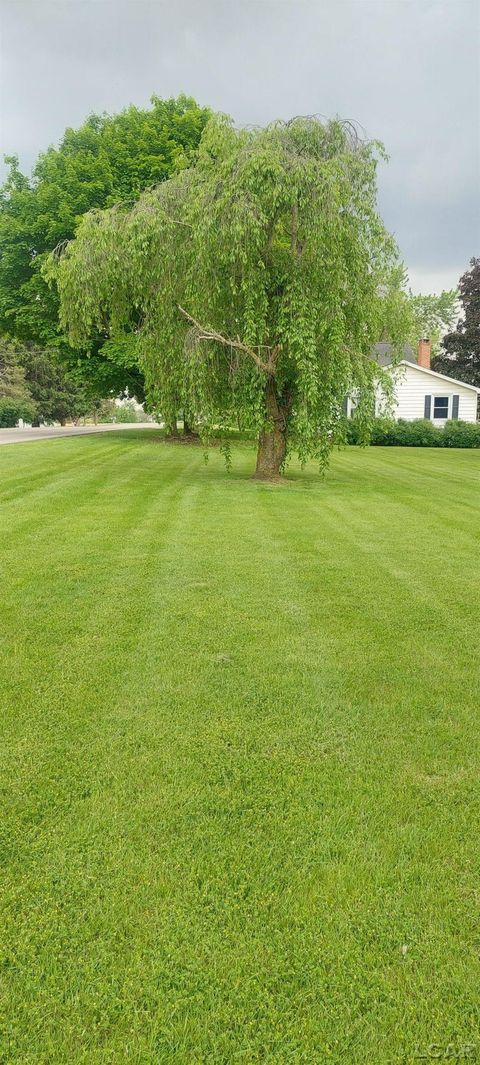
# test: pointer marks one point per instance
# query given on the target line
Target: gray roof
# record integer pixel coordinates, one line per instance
(382, 354)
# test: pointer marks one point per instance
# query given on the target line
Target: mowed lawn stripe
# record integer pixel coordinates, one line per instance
(242, 813)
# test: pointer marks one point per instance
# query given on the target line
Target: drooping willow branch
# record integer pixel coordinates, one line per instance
(204, 333)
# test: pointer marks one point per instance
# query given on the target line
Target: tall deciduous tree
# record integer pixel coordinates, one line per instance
(110, 158)
(432, 315)
(461, 348)
(258, 282)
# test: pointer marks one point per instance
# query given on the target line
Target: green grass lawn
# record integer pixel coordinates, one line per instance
(240, 756)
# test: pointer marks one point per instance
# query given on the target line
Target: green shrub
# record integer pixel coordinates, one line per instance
(383, 432)
(352, 431)
(348, 431)
(418, 433)
(461, 434)
(11, 410)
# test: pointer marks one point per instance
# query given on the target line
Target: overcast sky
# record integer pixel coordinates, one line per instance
(406, 70)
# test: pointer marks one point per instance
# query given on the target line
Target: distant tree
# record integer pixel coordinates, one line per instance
(120, 412)
(15, 399)
(13, 384)
(30, 376)
(460, 356)
(258, 282)
(432, 315)
(109, 159)
(56, 398)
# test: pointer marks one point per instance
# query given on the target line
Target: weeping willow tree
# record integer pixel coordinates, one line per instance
(256, 283)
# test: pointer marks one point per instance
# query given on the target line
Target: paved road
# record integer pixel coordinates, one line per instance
(22, 436)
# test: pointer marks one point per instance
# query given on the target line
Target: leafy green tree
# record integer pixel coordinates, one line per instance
(15, 399)
(258, 281)
(124, 412)
(56, 398)
(109, 159)
(13, 384)
(31, 377)
(105, 372)
(432, 315)
(460, 356)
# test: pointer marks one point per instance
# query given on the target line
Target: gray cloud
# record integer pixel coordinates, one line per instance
(406, 70)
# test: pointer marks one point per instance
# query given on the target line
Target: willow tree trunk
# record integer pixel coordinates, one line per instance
(188, 429)
(171, 427)
(272, 442)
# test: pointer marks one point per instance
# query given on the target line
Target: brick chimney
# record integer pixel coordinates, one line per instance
(424, 352)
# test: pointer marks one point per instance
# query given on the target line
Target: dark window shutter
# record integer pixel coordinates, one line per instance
(455, 403)
(428, 406)
(345, 405)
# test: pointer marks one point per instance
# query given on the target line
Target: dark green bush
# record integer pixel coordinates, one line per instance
(461, 434)
(418, 433)
(353, 433)
(11, 410)
(348, 431)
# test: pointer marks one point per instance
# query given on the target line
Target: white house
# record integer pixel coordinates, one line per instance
(421, 392)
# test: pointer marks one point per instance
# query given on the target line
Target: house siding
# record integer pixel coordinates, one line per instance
(412, 385)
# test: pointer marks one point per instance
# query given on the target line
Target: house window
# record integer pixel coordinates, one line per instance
(440, 406)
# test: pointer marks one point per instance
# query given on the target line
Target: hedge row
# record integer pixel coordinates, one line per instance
(418, 433)
(11, 410)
